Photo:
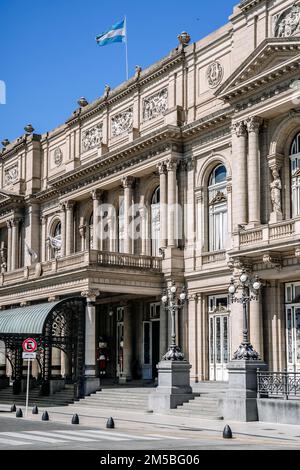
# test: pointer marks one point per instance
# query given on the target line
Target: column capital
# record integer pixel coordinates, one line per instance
(8, 223)
(239, 129)
(128, 182)
(43, 219)
(62, 206)
(162, 168)
(97, 194)
(275, 162)
(172, 164)
(69, 205)
(15, 221)
(253, 124)
(90, 294)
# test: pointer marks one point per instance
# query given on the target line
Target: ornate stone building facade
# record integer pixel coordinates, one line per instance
(189, 172)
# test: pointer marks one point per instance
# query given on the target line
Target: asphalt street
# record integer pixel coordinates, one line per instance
(23, 434)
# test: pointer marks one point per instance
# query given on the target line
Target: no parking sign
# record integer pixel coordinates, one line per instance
(29, 345)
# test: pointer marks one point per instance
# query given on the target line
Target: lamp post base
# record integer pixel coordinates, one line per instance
(173, 386)
(240, 403)
(246, 352)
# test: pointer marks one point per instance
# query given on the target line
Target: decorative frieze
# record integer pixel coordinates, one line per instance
(122, 122)
(12, 174)
(155, 105)
(287, 23)
(214, 74)
(92, 137)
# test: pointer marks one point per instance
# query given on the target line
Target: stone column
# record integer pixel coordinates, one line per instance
(163, 204)
(253, 125)
(92, 383)
(256, 327)
(127, 346)
(63, 229)
(127, 182)
(163, 331)
(2, 362)
(239, 174)
(193, 336)
(144, 231)
(69, 227)
(56, 363)
(43, 239)
(14, 244)
(97, 226)
(172, 187)
(9, 244)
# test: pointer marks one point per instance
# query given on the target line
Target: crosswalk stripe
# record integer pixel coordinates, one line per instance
(166, 437)
(127, 436)
(98, 434)
(11, 442)
(20, 435)
(62, 435)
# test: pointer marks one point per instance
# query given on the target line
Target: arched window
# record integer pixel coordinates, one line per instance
(121, 234)
(55, 242)
(91, 228)
(155, 222)
(217, 197)
(295, 175)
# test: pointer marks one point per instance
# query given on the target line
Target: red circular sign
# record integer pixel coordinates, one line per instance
(29, 345)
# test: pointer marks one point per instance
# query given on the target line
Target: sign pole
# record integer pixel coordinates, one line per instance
(27, 388)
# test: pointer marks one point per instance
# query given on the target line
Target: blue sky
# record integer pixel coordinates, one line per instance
(49, 57)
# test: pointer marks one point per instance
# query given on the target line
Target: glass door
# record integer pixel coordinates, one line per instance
(293, 337)
(218, 347)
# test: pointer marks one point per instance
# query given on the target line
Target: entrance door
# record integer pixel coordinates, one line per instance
(293, 338)
(218, 347)
(120, 341)
(151, 349)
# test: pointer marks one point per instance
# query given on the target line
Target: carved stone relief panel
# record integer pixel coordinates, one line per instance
(57, 157)
(92, 137)
(214, 74)
(287, 23)
(122, 122)
(12, 174)
(156, 105)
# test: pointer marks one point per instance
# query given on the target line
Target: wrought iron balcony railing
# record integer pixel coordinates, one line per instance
(284, 385)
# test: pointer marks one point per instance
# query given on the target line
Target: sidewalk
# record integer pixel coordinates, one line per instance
(148, 421)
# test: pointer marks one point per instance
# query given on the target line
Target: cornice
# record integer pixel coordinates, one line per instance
(206, 123)
(247, 5)
(18, 145)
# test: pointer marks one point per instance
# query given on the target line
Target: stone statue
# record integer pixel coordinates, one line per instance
(276, 188)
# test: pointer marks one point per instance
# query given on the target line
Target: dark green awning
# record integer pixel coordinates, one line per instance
(25, 320)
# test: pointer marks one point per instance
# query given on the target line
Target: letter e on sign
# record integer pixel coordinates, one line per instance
(29, 345)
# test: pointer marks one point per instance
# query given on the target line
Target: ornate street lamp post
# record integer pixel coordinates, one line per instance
(250, 288)
(174, 387)
(173, 304)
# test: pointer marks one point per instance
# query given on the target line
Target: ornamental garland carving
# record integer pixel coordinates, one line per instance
(287, 23)
(156, 105)
(12, 174)
(122, 122)
(92, 137)
(214, 74)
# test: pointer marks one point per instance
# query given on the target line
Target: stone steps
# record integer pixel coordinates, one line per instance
(61, 398)
(125, 398)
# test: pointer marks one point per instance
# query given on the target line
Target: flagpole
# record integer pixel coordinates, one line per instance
(126, 49)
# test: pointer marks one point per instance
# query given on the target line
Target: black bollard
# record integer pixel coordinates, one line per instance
(45, 416)
(35, 410)
(110, 424)
(13, 408)
(227, 433)
(19, 413)
(75, 419)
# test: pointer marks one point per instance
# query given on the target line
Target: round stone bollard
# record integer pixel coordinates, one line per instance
(35, 410)
(45, 416)
(75, 419)
(13, 408)
(19, 413)
(227, 433)
(110, 424)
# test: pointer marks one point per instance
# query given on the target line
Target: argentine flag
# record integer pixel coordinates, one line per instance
(117, 33)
